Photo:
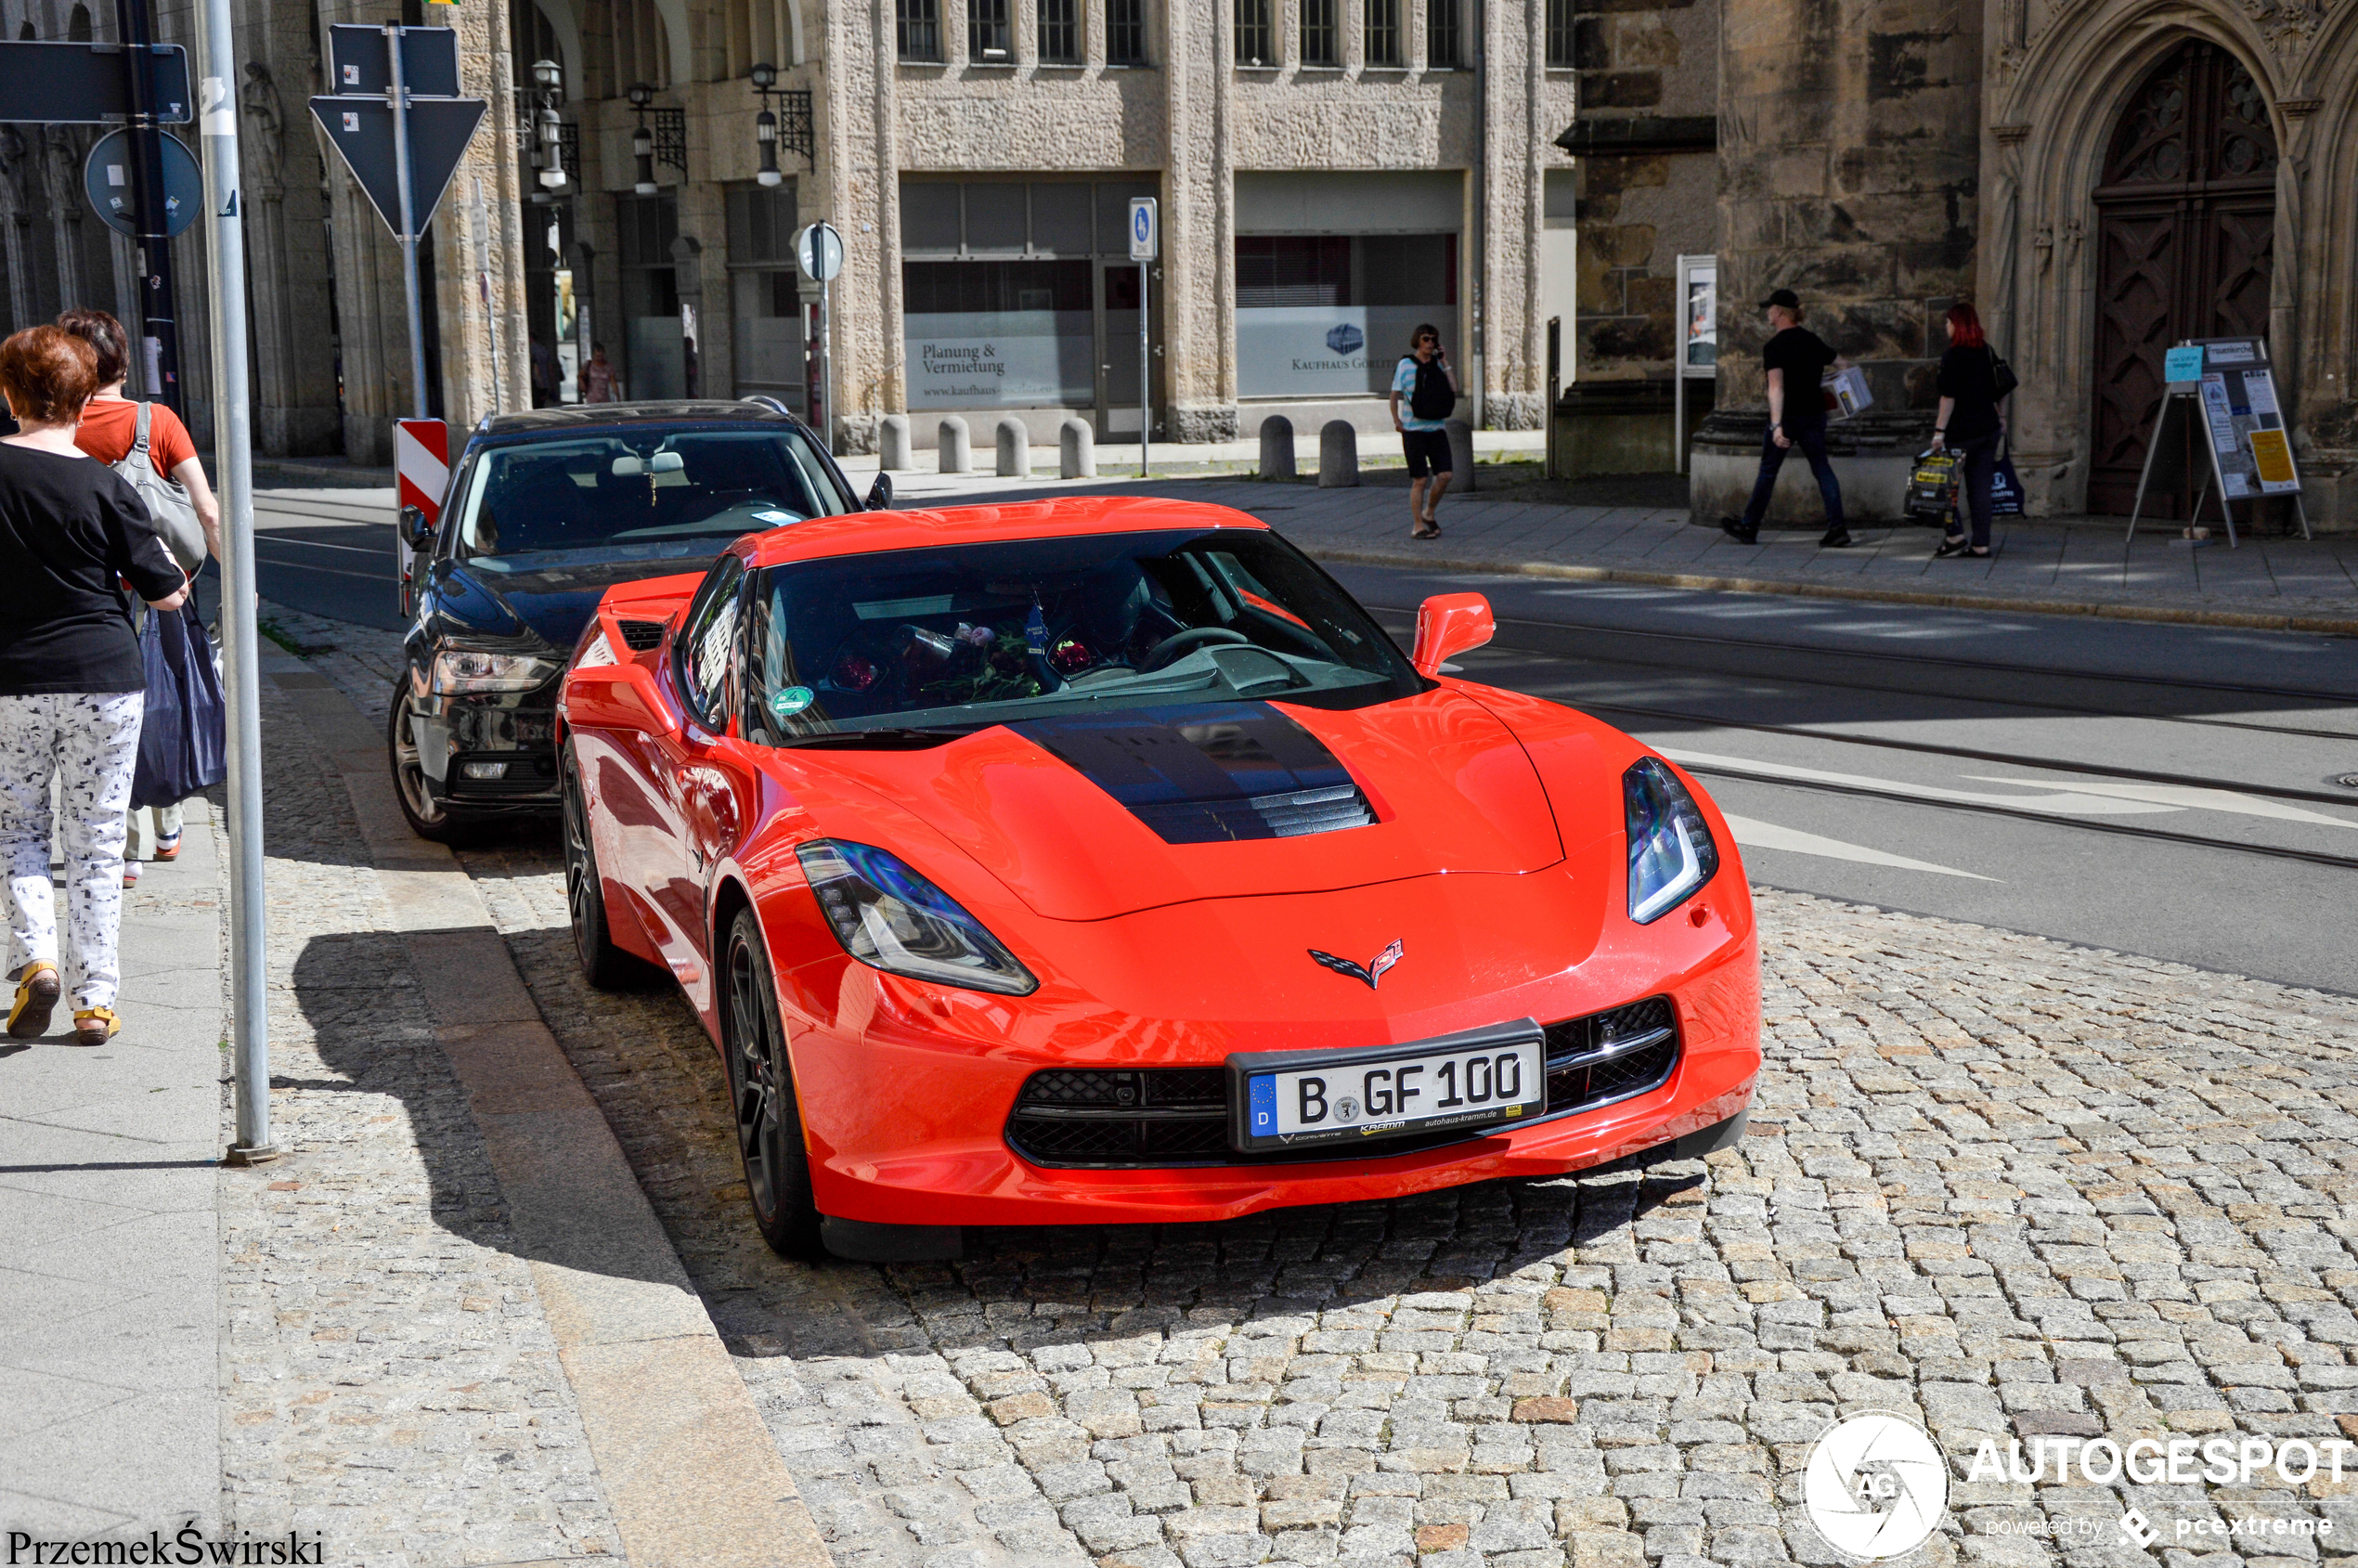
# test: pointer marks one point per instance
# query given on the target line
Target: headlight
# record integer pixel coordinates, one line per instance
(461, 669)
(1671, 854)
(889, 916)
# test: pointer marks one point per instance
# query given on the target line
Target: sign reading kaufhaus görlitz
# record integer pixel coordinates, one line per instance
(1324, 351)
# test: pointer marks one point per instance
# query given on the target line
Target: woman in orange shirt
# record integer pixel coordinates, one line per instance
(110, 424)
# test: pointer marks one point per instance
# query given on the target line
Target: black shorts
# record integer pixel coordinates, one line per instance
(1428, 452)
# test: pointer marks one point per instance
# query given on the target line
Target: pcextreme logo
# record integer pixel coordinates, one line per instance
(1875, 1487)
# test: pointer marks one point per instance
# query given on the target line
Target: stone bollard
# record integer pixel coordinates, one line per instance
(1015, 449)
(1338, 455)
(951, 453)
(1461, 461)
(892, 443)
(1077, 449)
(1276, 448)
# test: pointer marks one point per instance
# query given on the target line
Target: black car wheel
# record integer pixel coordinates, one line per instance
(603, 963)
(761, 1091)
(428, 817)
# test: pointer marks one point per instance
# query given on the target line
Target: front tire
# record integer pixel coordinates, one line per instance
(768, 1117)
(428, 818)
(604, 965)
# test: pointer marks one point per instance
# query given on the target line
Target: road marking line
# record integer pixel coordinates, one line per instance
(2078, 799)
(1753, 834)
(2191, 796)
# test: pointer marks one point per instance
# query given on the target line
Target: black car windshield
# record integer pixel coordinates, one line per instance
(640, 494)
(954, 638)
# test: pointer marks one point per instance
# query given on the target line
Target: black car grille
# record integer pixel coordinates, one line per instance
(639, 636)
(1289, 815)
(526, 775)
(1137, 1117)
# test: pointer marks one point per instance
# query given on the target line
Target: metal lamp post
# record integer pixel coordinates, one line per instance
(643, 142)
(765, 125)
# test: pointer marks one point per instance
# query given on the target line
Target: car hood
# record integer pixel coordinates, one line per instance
(551, 602)
(1091, 817)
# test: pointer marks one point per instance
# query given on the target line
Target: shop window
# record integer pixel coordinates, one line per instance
(1125, 31)
(1321, 39)
(1383, 33)
(998, 217)
(1445, 33)
(1060, 31)
(1256, 33)
(765, 292)
(1559, 25)
(1327, 316)
(918, 23)
(762, 224)
(644, 228)
(988, 39)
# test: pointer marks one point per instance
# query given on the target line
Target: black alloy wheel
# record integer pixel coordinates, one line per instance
(428, 818)
(604, 963)
(761, 1091)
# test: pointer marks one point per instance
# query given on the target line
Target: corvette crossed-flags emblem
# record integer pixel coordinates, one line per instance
(1370, 972)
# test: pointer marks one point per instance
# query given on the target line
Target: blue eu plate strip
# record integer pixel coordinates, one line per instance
(1263, 1098)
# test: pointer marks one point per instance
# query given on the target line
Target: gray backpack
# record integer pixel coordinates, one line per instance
(167, 499)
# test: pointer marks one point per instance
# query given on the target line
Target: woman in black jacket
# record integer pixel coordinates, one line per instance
(1968, 423)
(72, 679)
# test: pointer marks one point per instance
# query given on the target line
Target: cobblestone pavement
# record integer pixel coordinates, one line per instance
(388, 1377)
(2008, 1187)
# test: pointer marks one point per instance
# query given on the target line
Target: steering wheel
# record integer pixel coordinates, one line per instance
(1188, 642)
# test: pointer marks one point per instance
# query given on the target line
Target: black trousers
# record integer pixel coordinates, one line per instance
(1810, 439)
(1977, 468)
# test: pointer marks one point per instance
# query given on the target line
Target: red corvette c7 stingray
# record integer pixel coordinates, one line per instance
(1101, 860)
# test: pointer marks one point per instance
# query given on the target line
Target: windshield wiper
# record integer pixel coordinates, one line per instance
(872, 740)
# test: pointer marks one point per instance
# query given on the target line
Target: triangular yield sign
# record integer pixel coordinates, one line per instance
(362, 131)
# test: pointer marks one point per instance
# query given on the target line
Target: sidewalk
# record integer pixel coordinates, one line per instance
(445, 1329)
(2080, 566)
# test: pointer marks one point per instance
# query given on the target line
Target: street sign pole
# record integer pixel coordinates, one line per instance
(396, 92)
(1146, 245)
(818, 250)
(158, 329)
(249, 956)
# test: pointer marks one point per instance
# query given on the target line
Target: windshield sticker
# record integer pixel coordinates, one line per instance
(789, 701)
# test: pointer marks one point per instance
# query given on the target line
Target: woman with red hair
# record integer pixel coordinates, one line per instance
(71, 679)
(1969, 424)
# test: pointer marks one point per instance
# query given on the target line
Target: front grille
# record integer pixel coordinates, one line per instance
(1112, 1117)
(1609, 1057)
(527, 775)
(1289, 814)
(639, 636)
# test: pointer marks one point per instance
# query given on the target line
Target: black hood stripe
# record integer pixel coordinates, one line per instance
(1200, 772)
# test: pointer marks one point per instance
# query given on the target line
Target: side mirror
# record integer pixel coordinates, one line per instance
(1447, 625)
(880, 494)
(415, 529)
(616, 696)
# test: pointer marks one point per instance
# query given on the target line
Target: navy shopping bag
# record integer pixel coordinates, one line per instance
(184, 730)
(2005, 486)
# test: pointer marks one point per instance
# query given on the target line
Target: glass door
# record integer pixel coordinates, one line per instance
(1117, 350)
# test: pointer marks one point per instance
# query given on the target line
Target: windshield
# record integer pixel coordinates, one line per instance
(983, 634)
(639, 495)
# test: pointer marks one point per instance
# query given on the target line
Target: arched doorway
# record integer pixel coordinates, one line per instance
(2185, 240)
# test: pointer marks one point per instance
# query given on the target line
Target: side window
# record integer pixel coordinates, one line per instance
(708, 641)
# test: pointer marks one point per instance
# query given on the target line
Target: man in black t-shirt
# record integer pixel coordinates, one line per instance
(1794, 357)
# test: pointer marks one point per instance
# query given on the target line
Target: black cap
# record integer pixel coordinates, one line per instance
(1785, 297)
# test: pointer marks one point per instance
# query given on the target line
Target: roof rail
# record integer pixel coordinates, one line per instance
(769, 403)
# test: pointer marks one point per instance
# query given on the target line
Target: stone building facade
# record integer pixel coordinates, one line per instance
(1329, 172)
(330, 328)
(2103, 179)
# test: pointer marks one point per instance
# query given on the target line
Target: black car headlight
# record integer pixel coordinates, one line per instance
(890, 918)
(1671, 852)
(466, 669)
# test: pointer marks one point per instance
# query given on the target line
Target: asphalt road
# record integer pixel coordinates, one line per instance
(2153, 789)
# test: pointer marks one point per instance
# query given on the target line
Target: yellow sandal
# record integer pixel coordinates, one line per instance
(37, 993)
(95, 1026)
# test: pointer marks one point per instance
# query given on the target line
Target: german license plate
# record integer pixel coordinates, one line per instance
(1482, 1078)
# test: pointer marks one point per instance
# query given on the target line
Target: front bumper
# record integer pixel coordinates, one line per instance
(907, 1118)
(461, 738)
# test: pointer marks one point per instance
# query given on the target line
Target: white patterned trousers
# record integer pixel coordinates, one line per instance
(90, 742)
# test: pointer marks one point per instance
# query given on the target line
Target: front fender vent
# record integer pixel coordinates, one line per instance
(641, 636)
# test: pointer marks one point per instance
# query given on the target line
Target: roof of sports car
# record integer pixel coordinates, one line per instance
(1059, 516)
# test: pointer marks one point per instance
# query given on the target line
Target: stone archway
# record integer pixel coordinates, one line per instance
(2184, 243)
